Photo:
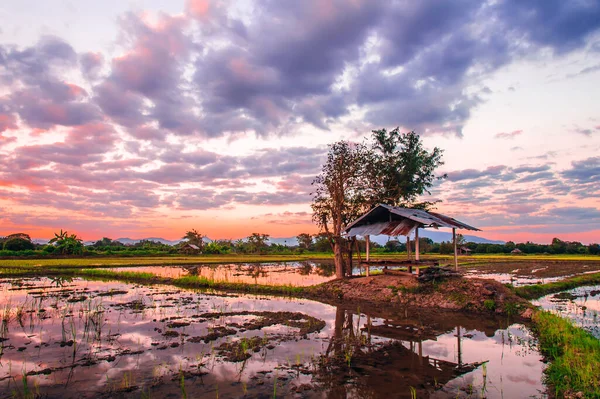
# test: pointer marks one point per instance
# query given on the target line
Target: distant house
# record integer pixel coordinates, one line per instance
(464, 251)
(516, 251)
(189, 249)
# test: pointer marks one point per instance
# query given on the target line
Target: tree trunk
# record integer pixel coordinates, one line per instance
(338, 257)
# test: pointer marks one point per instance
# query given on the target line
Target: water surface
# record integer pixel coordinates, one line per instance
(581, 305)
(83, 339)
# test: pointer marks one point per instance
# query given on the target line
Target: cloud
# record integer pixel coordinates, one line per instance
(510, 135)
(129, 131)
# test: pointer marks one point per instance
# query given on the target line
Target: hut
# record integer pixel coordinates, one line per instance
(516, 251)
(464, 251)
(189, 249)
(393, 221)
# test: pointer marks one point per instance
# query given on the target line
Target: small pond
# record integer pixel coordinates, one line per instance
(581, 305)
(76, 338)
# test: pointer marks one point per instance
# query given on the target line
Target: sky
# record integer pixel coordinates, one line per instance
(149, 118)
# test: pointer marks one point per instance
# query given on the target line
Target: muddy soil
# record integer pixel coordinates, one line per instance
(457, 294)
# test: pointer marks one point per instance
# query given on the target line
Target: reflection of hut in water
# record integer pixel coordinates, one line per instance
(189, 249)
(356, 365)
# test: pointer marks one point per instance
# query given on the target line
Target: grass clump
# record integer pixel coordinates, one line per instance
(574, 354)
(126, 276)
(203, 282)
(489, 304)
(539, 290)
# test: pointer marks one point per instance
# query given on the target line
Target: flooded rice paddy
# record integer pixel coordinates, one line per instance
(80, 338)
(305, 273)
(581, 305)
(525, 272)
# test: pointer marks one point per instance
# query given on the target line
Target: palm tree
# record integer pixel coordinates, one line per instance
(67, 244)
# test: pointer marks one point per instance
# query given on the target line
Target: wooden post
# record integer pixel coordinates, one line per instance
(459, 346)
(455, 249)
(350, 257)
(408, 246)
(368, 243)
(417, 244)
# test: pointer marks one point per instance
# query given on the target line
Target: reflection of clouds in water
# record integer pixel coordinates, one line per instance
(520, 378)
(138, 332)
(438, 350)
(302, 273)
(588, 318)
(504, 361)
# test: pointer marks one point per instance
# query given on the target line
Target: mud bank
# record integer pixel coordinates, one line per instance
(456, 294)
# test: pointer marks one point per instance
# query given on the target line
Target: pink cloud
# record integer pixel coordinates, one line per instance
(7, 121)
(198, 9)
(511, 135)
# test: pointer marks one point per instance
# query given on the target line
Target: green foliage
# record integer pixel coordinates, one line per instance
(215, 248)
(194, 238)
(305, 240)
(394, 246)
(403, 169)
(539, 290)
(489, 304)
(257, 242)
(512, 308)
(18, 244)
(67, 244)
(574, 354)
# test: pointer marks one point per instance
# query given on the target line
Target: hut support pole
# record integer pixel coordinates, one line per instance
(408, 246)
(417, 244)
(368, 244)
(459, 346)
(455, 249)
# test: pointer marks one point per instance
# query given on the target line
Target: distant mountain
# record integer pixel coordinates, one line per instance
(287, 241)
(437, 236)
(130, 241)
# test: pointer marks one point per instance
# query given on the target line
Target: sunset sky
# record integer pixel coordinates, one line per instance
(148, 118)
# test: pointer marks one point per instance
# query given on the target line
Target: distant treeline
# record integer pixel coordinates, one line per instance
(20, 244)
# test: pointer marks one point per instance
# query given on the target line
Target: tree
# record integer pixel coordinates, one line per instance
(257, 241)
(395, 169)
(403, 169)
(322, 243)
(194, 238)
(67, 244)
(305, 240)
(12, 243)
(341, 194)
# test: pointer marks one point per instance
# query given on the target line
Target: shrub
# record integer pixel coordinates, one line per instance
(18, 244)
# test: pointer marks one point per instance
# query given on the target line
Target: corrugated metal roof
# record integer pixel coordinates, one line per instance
(408, 221)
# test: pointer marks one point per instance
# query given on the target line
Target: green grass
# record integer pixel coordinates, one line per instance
(203, 282)
(574, 354)
(539, 290)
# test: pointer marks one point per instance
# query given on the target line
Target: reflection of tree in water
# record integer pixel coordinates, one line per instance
(325, 269)
(305, 268)
(255, 271)
(353, 365)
